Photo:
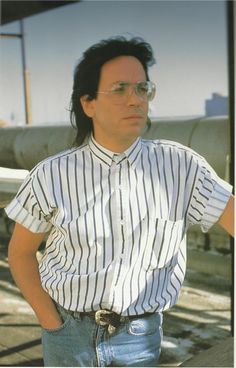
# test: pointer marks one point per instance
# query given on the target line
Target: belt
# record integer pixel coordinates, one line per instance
(104, 317)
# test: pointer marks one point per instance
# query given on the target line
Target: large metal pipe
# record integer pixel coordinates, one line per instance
(24, 147)
(210, 137)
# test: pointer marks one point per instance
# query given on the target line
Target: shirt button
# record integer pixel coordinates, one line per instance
(122, 222)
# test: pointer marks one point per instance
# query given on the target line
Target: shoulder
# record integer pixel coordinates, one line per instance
(168, 147)
(57, 159)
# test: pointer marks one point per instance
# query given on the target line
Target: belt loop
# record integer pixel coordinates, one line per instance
(77, 315)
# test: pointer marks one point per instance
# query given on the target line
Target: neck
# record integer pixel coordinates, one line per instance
(116, 145)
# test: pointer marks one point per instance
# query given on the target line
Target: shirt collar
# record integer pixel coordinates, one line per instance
(108, 157)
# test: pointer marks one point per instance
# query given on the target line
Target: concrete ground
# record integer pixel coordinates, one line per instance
(200, 320)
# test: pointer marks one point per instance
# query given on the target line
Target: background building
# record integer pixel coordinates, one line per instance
(217, 105)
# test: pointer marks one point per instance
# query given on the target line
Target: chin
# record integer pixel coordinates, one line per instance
(138, 128)
(134, 133)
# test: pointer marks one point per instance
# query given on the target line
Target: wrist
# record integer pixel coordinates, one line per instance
(51, 323)
(50, 320)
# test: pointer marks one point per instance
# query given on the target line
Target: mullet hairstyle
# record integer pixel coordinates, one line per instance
(87, 75)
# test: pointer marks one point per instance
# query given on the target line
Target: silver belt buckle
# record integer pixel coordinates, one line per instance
(98, 316)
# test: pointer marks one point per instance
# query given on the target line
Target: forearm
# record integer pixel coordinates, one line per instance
(227, 218)
(24, 269)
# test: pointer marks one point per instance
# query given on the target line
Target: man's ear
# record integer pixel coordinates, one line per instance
(87, 104)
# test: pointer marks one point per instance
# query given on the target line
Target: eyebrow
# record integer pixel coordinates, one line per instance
(125, 82)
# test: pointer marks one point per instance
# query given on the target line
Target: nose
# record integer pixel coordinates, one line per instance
(132, 98)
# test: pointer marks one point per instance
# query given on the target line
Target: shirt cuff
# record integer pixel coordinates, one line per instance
(17, 213)
(216, 204)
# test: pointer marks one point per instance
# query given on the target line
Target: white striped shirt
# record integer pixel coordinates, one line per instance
(118, 222)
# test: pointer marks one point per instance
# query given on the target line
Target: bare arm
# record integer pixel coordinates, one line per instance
(24, 268)
(226, 220)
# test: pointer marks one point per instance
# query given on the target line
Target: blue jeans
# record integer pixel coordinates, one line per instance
(80, 342)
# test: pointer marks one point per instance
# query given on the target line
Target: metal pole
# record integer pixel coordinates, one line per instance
(231, 72)
(26, 80)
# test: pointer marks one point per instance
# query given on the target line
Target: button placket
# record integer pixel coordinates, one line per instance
(116, 214)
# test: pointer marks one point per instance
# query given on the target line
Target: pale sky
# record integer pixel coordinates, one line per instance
(188, 38)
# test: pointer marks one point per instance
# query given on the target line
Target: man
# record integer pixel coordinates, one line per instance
(117, 209)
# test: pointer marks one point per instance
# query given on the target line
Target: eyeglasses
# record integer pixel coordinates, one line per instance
(120, 91)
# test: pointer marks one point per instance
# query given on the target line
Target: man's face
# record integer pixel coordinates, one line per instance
(113, 120)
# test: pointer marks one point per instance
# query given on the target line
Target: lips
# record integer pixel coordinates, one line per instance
(134, 117)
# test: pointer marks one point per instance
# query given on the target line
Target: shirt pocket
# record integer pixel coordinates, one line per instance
(164, 239)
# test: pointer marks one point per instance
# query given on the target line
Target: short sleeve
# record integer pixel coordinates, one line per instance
(30, 207)
(210, 195)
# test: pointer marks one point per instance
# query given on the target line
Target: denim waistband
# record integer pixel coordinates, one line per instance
(92, 314)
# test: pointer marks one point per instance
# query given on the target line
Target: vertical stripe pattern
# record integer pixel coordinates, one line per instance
(117, 222)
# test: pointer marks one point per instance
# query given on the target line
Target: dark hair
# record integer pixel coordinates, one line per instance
(87, 75)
